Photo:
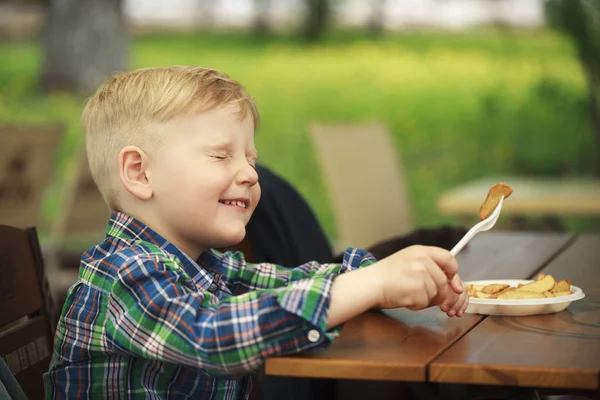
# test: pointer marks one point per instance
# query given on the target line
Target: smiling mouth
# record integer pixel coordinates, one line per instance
(238, 203)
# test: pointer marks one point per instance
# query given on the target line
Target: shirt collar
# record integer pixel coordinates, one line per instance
(125, 227)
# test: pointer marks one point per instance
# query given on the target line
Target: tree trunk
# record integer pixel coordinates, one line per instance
(261, 18)
(377, 19)
(84, 42)
(593, 82)
(316, 21)
(206, 14)
(579, 19)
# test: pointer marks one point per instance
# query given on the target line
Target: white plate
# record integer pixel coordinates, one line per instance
(508, 307)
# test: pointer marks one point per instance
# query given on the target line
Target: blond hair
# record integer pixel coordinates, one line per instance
(131, 107)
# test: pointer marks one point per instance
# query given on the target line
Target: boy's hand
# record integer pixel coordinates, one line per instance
(418, 277)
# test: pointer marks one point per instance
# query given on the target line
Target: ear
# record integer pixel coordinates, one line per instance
(133, 171)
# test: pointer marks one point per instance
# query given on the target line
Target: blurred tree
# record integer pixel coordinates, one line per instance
(206, 14)
(261, 17)
(580, 20)
(376, 22)
(84, 42)
(317, 18)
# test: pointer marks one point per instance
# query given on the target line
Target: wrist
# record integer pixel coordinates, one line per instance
(352, 294)
(372, 281)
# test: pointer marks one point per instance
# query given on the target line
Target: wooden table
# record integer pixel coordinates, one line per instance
(531, 197)
(559, 350)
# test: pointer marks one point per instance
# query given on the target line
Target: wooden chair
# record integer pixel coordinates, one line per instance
(79, 224)
(83, 214)
(366, 180)
(27, 159)
(27, 319)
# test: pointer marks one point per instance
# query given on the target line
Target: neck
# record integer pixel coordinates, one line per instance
(154, 223)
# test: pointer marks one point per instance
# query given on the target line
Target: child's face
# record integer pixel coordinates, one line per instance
(204, 184)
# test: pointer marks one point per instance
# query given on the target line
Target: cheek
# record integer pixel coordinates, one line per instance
(256, 193)
(168, 169)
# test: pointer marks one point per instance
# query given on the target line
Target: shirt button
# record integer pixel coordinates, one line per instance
(313, 335)
(212, 288)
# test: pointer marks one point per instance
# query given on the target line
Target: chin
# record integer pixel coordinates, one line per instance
(231, 239)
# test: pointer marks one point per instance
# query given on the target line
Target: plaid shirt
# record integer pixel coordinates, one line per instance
(145, 321)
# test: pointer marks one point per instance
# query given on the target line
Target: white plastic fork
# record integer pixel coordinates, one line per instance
(482, 226)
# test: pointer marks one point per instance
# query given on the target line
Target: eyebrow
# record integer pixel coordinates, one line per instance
(220, 144)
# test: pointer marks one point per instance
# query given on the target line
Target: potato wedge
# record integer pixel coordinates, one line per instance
(508, 289)
(543, 285)
(520, 295)
(562, 286)
(481, 295)
(540, 276)
(558, 294)
(493, 198)
(494, 288)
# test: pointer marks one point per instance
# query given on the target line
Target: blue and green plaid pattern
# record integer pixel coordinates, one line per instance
(145, 321)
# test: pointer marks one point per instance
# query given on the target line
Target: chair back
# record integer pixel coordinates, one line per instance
(26, 331)
(27, 158)
(366, 179)
(83, 214)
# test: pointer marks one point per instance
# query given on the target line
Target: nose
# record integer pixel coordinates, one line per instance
(247, 175)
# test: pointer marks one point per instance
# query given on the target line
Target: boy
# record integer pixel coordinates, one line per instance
(155, 312)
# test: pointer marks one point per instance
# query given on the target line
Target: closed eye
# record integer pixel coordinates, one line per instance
(221, 156)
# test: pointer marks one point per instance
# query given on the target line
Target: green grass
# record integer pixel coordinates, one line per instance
(460, 106)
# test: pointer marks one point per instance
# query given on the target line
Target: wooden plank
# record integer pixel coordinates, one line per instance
(553, 351)
(20, 293)
(399, 344)
(26, 348)
(372, 346)
(531, 197)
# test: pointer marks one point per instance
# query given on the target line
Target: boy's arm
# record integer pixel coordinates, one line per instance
(242, 277)
(155, 312)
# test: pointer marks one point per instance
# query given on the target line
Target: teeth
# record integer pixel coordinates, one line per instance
(235, 203)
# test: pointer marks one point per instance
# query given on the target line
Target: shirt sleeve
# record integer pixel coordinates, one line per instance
(156, 312)
(242, 277)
